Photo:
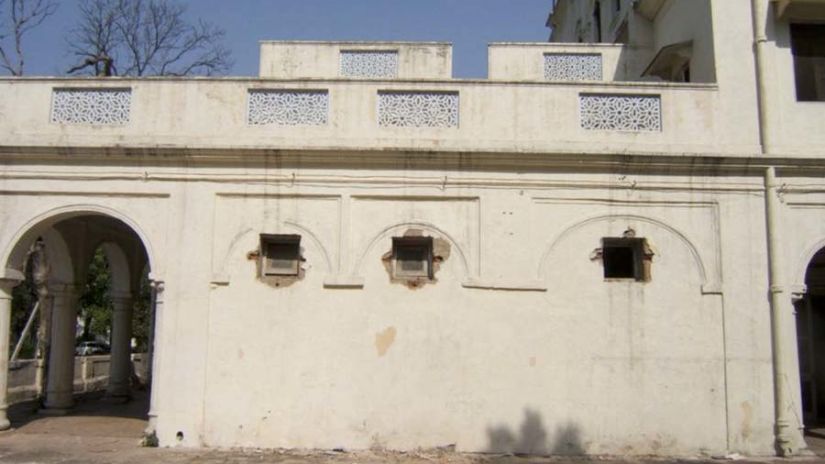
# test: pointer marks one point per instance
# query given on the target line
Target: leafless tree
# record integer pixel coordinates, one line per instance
(17, 17)
(145, 37)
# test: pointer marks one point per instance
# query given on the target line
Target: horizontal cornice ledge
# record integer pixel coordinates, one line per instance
(389, 157)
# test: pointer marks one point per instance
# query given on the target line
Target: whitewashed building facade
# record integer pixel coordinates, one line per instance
(600, 249)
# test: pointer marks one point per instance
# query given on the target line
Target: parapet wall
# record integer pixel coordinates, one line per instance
(366, 60)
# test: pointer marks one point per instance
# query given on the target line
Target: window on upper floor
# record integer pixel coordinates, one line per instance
(808, 48)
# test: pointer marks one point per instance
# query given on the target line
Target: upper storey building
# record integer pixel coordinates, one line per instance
(768, 52)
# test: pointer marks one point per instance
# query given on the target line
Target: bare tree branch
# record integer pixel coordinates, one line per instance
(95, 39)
(146, 37)
(23, 16)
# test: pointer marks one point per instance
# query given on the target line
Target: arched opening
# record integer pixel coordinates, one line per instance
(810, 336)
(86, 303)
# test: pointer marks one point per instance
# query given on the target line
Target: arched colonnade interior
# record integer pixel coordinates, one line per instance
(51, 259)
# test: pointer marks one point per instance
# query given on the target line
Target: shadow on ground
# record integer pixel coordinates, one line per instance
(92, 414)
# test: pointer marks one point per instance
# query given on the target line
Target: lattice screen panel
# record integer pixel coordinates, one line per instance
(107, 107)
(374, 64)
(572, 67)
(621, 112)
(288, 107)
(418, 109)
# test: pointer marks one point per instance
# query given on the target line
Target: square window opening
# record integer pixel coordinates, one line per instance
(412, 257)
(624, 258)
(281, 255)
(808, 48)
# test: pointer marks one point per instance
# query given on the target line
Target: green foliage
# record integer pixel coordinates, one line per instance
(95, 304)
(95, 308)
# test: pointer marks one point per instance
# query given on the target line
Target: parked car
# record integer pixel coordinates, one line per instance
(90, 348)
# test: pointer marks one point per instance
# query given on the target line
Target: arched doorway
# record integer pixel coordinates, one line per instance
(66, 245)
(810, 336)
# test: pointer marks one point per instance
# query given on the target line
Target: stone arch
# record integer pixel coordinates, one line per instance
(222, 273)
(15, 250)
(397, 229)
(62, 269)
(66, 247)
(708, 285)
(800, 268)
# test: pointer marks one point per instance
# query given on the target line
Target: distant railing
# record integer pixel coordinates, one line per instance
(91, 373)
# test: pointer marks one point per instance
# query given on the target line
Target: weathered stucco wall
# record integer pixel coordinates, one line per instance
(519, 344)
(493, 116)
(306, 60)
(457, 362)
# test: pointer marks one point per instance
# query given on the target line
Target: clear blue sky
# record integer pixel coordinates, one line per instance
(468, 24)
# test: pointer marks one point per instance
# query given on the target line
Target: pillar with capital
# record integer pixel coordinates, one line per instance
(6, 286)
(60, 380)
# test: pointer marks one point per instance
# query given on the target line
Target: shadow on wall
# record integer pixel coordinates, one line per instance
(532, 438)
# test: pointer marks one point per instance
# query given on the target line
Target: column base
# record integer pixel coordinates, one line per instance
(4, 424)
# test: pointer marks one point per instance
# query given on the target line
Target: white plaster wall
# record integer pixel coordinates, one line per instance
(494, 117)
(525, 61)
(676, 366)
(299, 60)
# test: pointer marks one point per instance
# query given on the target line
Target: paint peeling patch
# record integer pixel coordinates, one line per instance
(384, 340)
(433, 251)
(532, 361)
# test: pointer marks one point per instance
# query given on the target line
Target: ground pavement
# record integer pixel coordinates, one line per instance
(98, 432)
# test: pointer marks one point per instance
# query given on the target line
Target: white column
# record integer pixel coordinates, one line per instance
(155, 354)
(6, 286)
(60, 378)
(120, 361)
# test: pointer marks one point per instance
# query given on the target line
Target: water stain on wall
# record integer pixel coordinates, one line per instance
(384, 340)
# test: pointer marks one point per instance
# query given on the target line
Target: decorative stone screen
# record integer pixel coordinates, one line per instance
(91, 106)
(418, 109)
(621, 112)
(374, 64)
(288, 107)
(572, 67)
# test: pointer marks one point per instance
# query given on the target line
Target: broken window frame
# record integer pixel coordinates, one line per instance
(292, 244)
(422, 245)
(639, 256)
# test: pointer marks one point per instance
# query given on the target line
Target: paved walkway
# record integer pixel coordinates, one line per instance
(101, 433)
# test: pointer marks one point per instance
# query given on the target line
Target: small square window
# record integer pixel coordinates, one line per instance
(280, 255)
(412, 257)
(623, 258)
